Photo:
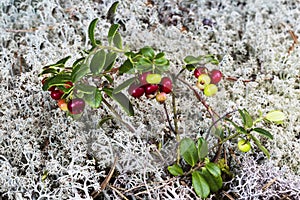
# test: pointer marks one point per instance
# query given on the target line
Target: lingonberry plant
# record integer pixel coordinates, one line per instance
(91, 81)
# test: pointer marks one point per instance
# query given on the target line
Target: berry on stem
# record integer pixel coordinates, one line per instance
(136, 90)
(161, 97)
(166, 85)
(76, 106)
(244, 145)
(200, 70)
(203, 80)
(68, 84)
(62, 104)
(56, 94)
(153, 78)
(150, 88)
(210, 90)
(142, 78)
(216, 76)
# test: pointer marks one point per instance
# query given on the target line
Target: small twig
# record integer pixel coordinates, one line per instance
(168, 119)
(228, 195)
(269, 184)
(106, 180)
(117, 191)
(295, 39)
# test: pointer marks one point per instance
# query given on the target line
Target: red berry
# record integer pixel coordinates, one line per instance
(62, 104)
(143, 77)
(68, 84)
(76, 106)
(161, 97)
(150, 88)
(52, 88)
(136, 90)
(56, 94)
(216, 76)
(166, 85)
(200, 70)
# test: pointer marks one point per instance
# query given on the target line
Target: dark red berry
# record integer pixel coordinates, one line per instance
(166, 85)
(200, 70)
(68, 84)
(150, 88)
(136, 90)
(76, 106)
(215, 76)
(143, 77)
(56, 94)
(52, 88)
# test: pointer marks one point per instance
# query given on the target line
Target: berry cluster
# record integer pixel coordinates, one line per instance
(207, 80)
(152, 85)
(74, 106)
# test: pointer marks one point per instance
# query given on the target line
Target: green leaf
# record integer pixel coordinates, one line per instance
(117, 40)
(144, 62)
(202, 148)
(188, 151)
(215, 183)
(263, 132)
(104, 120)
(121, 99)
(260, 146)
(59, 79)
(148, 52)
(79, 71)
(213, 169)
(175, 170)
(94, 100)
(112, 32)
(162, 62)
(248, 118)
(91, 32)
(190, 67)
(64, 60)
(112, 10)
(110, 60)
(160, 55)
(123, 85)
(49, 71)
(59, 64)
(275, 116)
(192, 59)
(109, 78)
(200, 185)
(86, 89)
(242, 116)
(97, 62)
(125, 67)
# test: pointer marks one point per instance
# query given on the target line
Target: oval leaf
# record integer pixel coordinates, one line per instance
(202, 148)
(124, 103)
(148, 52)
(188, 151)
(215, 183)
(192, 59)
(59, 79)
(200, 185)
(86, 89)
(98, 61)
(263, 132)
(125, 67)
(79, 71)
(94, 100)
(275, 116)
(213, 169)
(112, 32)
(248, 119)
(117, 40)
(124, 85)
(91, 32)
(260, 146)
(110, 60)
(112, 10)
(175, 170)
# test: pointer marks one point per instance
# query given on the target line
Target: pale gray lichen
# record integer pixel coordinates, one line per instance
(37, 139)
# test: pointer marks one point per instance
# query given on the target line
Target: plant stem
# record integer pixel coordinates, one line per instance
(176, 125)
(168, 119)
(118, 116)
